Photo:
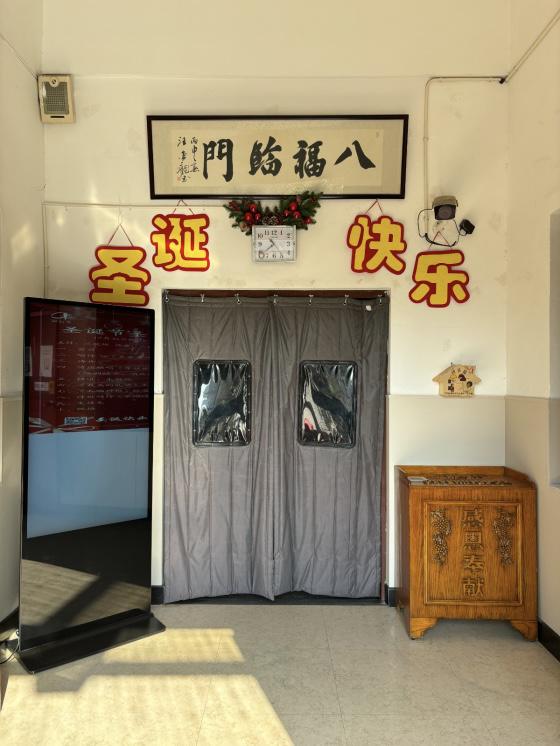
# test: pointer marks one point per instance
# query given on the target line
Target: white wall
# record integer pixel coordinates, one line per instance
(21, 253)
(534, 197)
(317, 38)
(371, 59)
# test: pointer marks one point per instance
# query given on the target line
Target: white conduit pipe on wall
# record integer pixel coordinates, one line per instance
(465, 78)
(14, 51)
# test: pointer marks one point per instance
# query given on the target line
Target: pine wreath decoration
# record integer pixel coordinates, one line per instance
(297, 209)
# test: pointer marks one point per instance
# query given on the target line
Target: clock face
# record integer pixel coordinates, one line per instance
(274, 243)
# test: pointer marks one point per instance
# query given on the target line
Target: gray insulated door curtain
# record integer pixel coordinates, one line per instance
(274, 427)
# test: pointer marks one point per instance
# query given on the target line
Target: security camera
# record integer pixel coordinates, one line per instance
(444, 207)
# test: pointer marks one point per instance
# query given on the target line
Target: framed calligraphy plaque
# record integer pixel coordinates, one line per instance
(271, 156)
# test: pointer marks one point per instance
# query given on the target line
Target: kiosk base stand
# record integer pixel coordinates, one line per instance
(95, 640)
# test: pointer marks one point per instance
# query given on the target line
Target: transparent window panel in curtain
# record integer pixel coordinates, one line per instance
(327, 403)
(222, 403)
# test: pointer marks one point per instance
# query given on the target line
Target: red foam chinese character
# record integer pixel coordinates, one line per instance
(119, 278)
(437, 282)
(180, 242)
(376, 245)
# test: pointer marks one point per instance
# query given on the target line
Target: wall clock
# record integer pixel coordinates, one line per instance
(274, 243)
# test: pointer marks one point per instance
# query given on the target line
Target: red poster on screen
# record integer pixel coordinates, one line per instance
(88, 367)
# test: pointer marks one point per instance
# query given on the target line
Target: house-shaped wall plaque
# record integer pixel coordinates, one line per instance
(457, 380)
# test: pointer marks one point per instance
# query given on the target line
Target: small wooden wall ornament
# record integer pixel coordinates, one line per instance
(458, 380)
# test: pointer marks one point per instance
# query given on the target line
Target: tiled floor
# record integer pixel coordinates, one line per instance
(321, 675)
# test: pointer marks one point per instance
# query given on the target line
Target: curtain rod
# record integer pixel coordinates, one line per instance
(274, 295)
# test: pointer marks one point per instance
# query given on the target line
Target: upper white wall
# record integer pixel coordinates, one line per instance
(22, 180)
(204, 58)
(534, 198)
(534, 189)
(21, 23)
(316, 38)
(21, 183)
(103, 158)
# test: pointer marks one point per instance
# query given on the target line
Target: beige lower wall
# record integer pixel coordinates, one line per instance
(10, 501)
(423, 430)
(527, 449)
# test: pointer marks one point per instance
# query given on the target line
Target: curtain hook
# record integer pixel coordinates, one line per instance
(275, 298)
(346, 296)
(311, 296)
(202, 297)
(166, 296)
(237, 298)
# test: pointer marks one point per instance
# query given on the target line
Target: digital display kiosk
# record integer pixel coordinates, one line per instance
(85, 576)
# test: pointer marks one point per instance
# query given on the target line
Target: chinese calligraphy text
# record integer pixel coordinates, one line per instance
(270, 156)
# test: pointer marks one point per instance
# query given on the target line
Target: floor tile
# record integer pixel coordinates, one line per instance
(363, 626)
(103, 705)
(517, 720)
(314, 730)
(439, 730)
(238, 711)
(323, 675)
(271, 628)
(295, 681)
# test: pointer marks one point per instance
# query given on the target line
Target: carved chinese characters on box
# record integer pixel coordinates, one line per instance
(457, 380)
(471, 554)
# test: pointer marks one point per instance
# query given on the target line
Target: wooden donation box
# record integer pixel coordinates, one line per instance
(468, 546)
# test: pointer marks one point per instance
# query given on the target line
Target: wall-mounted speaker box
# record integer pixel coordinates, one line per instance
(56, 99)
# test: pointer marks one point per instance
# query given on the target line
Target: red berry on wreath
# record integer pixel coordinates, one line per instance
(308, 220)
(293, 206)
(257, 216)
(286, 213)
(297, 214)
(248, 217)
(253, 207)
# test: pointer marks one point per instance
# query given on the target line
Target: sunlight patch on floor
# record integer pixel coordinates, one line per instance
(180, 646)
(164, 709)
(238, 712)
